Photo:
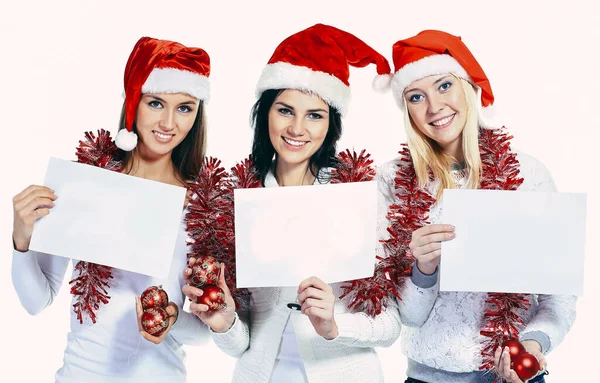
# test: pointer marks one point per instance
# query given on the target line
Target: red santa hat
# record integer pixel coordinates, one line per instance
(435, 52)
(161, 66)
(317, 60)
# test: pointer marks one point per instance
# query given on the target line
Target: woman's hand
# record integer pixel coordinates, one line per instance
(219, 321)
(426, 245)
(317, 299)
(29, 205)
(502, 360)
(172, 311)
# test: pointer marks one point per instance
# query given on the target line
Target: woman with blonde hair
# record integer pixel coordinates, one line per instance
(453, 143)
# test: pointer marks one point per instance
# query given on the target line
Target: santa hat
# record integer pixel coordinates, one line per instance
(317, 60)
(161, 66)
(435, 52)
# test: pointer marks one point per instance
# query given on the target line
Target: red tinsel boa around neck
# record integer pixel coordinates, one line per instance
(210, 219)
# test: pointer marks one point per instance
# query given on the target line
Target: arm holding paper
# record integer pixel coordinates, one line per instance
(36, 277)
(421, 289)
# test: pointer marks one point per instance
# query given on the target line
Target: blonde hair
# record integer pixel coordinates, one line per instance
(428, 156)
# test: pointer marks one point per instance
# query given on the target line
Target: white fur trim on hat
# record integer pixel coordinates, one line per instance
(282, 75)
(170, 80)
(382, 82)
(487, 116)
(126, 140)
(427, 66)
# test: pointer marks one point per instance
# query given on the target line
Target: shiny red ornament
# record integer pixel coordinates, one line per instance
(525, 365)
(205, 271)
(154, 296)
(213, 297)
(514, 347)
(155, 321)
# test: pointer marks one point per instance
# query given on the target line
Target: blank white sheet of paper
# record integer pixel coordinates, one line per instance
(514, 242)
(287, 234)
(110, 218)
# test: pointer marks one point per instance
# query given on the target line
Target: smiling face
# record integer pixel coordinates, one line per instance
(298, 124)
(164, 120)
(438, 108)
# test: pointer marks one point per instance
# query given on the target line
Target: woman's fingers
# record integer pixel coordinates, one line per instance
(317, 312)
(422, 241)
(312, 292)
(191, 292)
(432, 229)
(314, 282)
(34, 204)
(34, 191)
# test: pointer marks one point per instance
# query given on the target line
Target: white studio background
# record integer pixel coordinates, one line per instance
(62, 69)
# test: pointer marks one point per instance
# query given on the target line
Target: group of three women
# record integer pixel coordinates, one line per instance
(302, 94)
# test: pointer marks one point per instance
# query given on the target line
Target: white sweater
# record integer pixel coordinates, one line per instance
(441, 329)
(350, 357)
(112, 350)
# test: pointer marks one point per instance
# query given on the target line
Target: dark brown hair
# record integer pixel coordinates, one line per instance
(263, 150)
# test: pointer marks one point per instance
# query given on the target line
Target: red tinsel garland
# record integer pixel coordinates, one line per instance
(211, 217)
(91, 286)
(500, 171)
(501, 320)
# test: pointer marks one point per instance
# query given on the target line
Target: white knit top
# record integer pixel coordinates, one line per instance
(441, 329)
(255, 338)
(112, 350)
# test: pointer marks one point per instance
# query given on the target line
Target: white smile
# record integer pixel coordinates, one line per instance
(294, 142)
(162, 136)
(443, 121)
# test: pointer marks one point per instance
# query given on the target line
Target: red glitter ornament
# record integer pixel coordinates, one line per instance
(525, 365)
(514, 347)
(154, 296)
(155, 321)
(213, 297)
(205, 271)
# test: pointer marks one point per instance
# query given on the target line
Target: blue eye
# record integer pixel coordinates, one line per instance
(184, 109)
(315, 116)
(445, 86)
(285, 111)
(155, 104)
(415, 98)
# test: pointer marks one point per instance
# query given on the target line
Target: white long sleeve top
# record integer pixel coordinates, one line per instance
(441, 329)
(255, 338)
(112, 350)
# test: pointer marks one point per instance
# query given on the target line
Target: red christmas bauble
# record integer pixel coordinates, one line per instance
(205, 271)
(154, 296)
(525, 365)
(213, 297)
(514, 347)
(155, 321)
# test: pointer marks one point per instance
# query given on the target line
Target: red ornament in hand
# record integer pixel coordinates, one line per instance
(514, 347)
(155, 321)
(213, 297)
(525, 365)
(205, 271)
(154, 296)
